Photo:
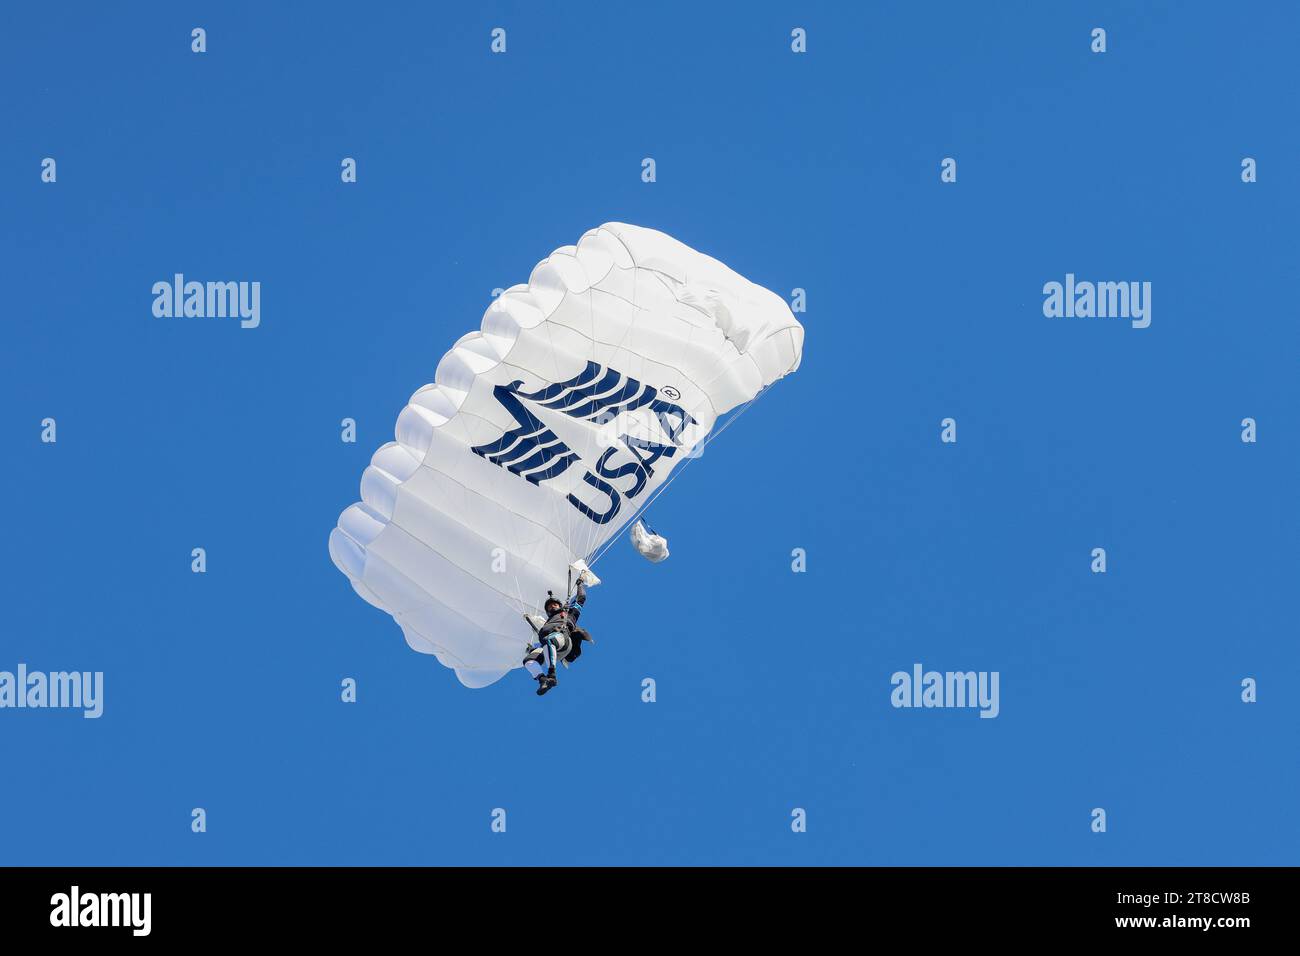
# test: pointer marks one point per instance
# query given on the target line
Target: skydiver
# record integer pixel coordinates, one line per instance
(560, 637)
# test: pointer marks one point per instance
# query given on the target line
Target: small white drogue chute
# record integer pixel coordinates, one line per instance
(653, 547)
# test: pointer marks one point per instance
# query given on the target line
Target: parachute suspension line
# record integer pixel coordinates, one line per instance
(592, 533)
(581, 548)
(637, 276)
(559, 517)
(664, 487)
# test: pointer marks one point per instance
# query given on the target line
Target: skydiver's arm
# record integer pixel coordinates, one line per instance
(579, 599)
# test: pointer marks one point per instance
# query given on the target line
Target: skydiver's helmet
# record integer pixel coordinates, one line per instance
(552, 604)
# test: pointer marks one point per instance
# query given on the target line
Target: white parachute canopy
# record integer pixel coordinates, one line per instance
(653, 547)
(546, 431)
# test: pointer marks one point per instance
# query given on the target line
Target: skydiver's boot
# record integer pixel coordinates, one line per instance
(546, 681)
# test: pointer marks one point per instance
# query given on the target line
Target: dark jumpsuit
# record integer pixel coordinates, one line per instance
(564, 621)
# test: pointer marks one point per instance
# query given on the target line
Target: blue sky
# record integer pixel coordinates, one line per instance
(818, 171)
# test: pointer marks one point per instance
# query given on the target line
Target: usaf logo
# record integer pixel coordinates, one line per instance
(596, 395)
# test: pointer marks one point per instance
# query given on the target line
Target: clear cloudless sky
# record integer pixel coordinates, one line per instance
(818, 171)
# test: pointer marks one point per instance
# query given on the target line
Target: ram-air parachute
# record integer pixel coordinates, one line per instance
(549, 430)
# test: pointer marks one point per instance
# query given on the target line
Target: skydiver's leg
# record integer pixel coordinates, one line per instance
(534, 659)
(538, 655)
(576, 638)
(541, 656)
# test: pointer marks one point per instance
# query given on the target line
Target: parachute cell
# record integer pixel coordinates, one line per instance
(546, 431)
